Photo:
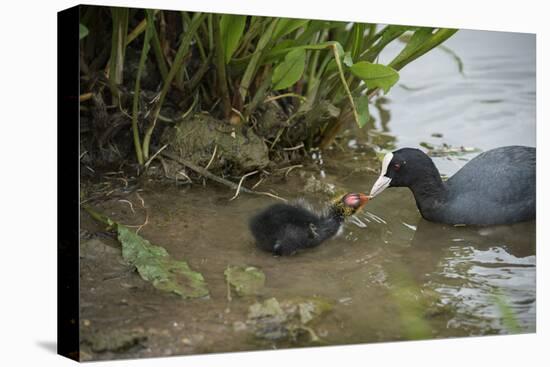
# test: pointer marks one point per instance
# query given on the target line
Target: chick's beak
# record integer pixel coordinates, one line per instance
(363, 199)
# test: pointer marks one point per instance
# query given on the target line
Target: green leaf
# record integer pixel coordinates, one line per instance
(274, 320)
(427, 44)
(362, 107)
(348, 61)
(287, 25)
(290, 70)
(418, 38)
(155, 265)
(356, 39)
(247, 280)
(375, 75)
(231, 30)
(83, 31)
(384, 37)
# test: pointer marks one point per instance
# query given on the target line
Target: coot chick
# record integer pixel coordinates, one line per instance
(283, 229)
(496, 187)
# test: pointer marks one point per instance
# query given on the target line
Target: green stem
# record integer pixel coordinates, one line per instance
(255, 61)
(118, 48)
(135, 104)
(161, 62)
(345, 84)
(220, 67)
(182, 51)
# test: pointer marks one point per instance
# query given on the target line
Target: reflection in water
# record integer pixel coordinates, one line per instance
(476, 269)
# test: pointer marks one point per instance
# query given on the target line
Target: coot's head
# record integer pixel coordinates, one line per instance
(350, 203)
(403, 168)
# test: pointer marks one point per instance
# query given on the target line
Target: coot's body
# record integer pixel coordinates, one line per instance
(283, 229)
(496, 187)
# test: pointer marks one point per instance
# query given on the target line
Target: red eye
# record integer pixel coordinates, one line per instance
(396, 166)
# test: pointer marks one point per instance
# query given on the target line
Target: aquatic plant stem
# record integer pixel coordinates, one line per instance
(137, 90)
(118, 48)
(220, 67)
(182, 51)
(345, 84)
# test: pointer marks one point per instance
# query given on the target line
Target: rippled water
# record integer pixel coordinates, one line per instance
(391, 275)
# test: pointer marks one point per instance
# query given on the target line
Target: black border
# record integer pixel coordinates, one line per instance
(68, 192)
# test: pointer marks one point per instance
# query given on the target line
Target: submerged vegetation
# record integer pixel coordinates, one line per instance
(290, 82)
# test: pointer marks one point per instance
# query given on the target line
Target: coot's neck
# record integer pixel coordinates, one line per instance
(430, 192)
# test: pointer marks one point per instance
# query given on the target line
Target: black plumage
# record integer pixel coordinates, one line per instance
(283, 229)
(496, 187)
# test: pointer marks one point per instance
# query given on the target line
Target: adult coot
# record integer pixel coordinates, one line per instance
(283, 229)
(496, 187)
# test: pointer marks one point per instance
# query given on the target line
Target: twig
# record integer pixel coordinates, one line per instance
(141, 199)
(257, 183)
(241, 182)
(301, 145)
(271, 99)
(215, 178)
(238, 114)
(203, 171)
(155, 155)
(291, 168)
(182, 172)
(270, 195)
(144, 223)
(129, 203)
(212, 158)
(86, 96)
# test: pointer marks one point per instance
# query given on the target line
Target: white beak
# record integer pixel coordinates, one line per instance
(383, 181)
(380, 185)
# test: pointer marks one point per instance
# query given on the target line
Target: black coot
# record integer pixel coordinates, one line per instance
(282, 229)
(496, 187)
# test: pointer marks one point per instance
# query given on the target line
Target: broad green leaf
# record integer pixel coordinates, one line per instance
(83, 31)
(155, 265)
(420, 36)
(375, 75)
(277, 52)
(427, 44)
(290, 70)
(384, 37)
(231, 30)
(362, 107)
(283, 47)
(247, 280)
(287, 25)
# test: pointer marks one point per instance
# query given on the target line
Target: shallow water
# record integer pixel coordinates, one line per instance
(391, 275)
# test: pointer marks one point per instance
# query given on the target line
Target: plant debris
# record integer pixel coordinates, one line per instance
(246, 280)
(115, 340)
(289, 319)
(155, 265)
(446, 150)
